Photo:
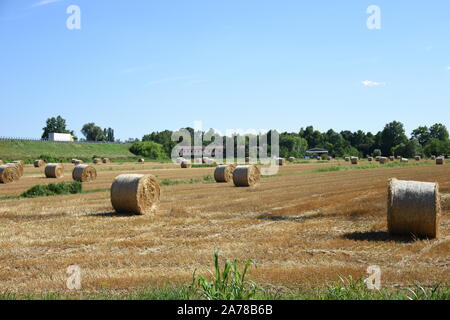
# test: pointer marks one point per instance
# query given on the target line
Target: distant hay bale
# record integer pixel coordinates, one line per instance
(370, 159)
(347, 159)
(97, 160)
(73, 161)
(404, 160)
(246, 176)
(141, 160)
(319, 158)
(54, 170)
(330, 158)
(413, 208)
(106, 160)
(377, 158)
(291, 159)
(185, 164)
(9, 173)
(439, 160)
(39, 163)
(135, 193)
(224, 173)
(247, 160)
(77, 162)
(399, 157)
(354, 160)
(433, 157)
(281, 161)
(418, 158)
(84, 173)
(180, 159)
(383, 160)
(205, 160)
(392, 158)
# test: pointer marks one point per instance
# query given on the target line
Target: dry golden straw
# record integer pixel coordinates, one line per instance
(54, 170)
(186, 164)
(84, 173)
(39, 163)
(246, 176)
(20, 165)
(8, 174)
(135, 193)
(224, 173)
(413, 208)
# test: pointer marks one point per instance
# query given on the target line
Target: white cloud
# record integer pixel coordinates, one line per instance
(368, 83)
(44, 2)
(448, 68)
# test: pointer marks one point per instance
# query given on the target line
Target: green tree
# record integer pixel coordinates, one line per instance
(55, 125)
(392, 135)
(409, 149)
(92, 132)
(163, 138)
(421, 134)
(291, 145)
(439, 131)
(109, 134)
(437, 147)
(149, 149)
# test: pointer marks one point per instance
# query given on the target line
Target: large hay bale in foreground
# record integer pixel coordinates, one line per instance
(84, 173)
(354, 160)
(106, 160)
(9, 174)
(135, 193)
(246, 176)
(39, 163)
(439, 160)
(413, 208)
(224, 173)
(54, 170)
(186, 164)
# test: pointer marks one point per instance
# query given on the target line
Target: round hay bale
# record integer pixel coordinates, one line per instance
(439, 160)
(18, 167)
(39, 163)
(404, 160)
(330, 158)
(246, 176)
(347, 159)
(106, 160)
(383, 160)
(135, 193)
(97, 160)
(377, 158)
(319, 158)
(78, 162)
(291, 159)
(9, 174)
(185, 164)
(54, 170)
(392, 158)
(73, 161)
(281, 161)
(21, 166)
(413, 208)
(354, 160)
(84, 173)
(399, 157)
(370, 159)
(141, 160)
(180, 159)
(418, 158)
(433, 157)
(224, 173)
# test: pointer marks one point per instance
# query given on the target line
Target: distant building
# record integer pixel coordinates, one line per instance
(60, 137)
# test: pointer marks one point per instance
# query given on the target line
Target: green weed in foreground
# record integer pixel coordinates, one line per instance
(168, 182)
(53, 189)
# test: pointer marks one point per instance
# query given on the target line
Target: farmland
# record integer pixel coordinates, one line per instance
(305, 227)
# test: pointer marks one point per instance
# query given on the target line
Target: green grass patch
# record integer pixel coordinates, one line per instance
(53, 189)
(168, 182)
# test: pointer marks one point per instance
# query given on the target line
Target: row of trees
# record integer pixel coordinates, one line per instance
(91, 131)
(392, 140)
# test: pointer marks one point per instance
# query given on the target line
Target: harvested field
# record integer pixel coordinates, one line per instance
(319, 226)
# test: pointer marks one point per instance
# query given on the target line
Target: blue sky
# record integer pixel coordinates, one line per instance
(141, 66)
